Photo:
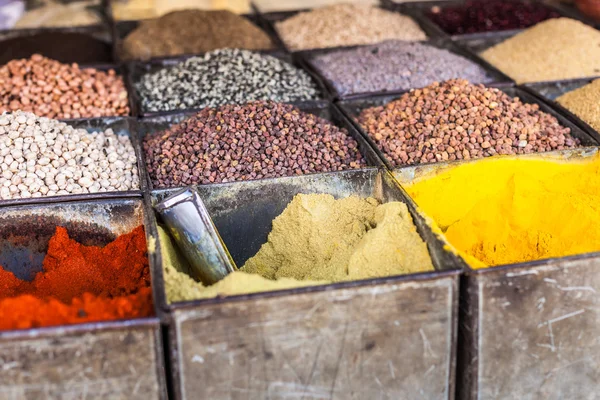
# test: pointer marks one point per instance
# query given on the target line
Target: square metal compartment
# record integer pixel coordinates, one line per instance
(384, 338)
(527, 330)
(120, 359)
(122, 126)
(352, 109)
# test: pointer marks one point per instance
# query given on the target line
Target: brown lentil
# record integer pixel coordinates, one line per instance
(243, 142)
(456, 120)
(51, 89)
(584, 102)
(555, 49)
(193, 32)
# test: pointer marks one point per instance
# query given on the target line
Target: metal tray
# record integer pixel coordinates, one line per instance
(121, 126)
(549, 91)
(307, 56)
(527, 330)
(110, 359)
(103, 23)
(271, 18)
(101, 31)
(352, 108)
(421, 8)
(120, 30)
(120, 70)
(479, 42)
(137, 69)
(321, 109)
(385, 334)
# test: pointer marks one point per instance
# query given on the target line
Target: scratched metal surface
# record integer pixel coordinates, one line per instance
(538, 331)
(103, 360)
(374, 339)
(530, 330)
(388, 341)
(112, 364)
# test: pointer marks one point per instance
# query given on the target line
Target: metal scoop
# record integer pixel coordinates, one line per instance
(189, 224)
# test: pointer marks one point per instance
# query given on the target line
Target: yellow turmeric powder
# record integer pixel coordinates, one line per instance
(509, 210)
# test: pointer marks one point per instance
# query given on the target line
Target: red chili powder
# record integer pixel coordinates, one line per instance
(80, 284)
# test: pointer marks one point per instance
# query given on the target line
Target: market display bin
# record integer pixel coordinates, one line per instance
(528, 330)
(353, 107)
(421, 10)
(121, 29)
(322, 109)
(384, 338)
(272, 18)
(137, 69)
(102, 360)
(549, 91)
(307, 57)
(122, 126)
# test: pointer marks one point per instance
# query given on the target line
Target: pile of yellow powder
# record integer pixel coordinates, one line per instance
(559, 48)
(585, 103)
(507, 210)
(316, 240)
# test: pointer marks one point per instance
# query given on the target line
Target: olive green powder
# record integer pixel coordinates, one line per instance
(317, 240)
(585, 103)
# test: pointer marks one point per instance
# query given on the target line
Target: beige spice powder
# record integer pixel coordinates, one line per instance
(346, 25)
(316, 240)
(555, 49)
(585, 103)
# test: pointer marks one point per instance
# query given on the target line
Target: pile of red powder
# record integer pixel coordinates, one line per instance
(80, 284)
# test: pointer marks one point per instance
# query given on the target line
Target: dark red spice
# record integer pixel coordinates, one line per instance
(485, 16)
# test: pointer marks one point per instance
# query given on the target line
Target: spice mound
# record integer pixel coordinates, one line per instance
(243, 142)
(456, 120)
(223, 77)
(74, 48)
(346, 25)
(51, 89)
(508, 210)
(317, 240)
(80, 284)
(44, 157)
(192, 32)
(394, 66)
(136, 9)
(556, 49)
(489, 15)
(52, 14)
(583, 102)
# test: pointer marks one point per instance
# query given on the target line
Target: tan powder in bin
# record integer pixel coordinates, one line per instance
(316, 240)
(585, 103)
(556, 49)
